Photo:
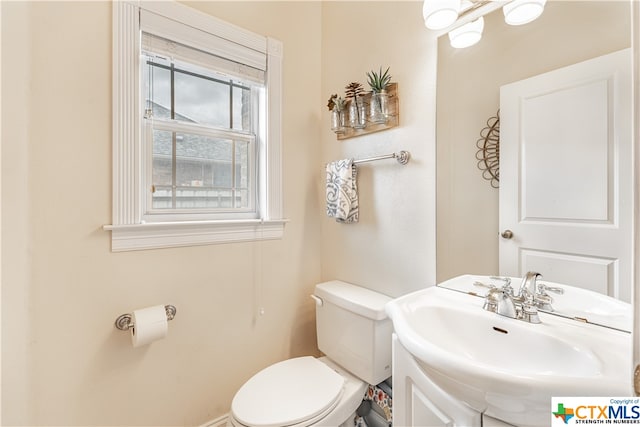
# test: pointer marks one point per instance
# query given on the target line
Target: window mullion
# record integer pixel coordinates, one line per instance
(173, 92)
(231, 104)
(174, 188)
(233, 172)
(233, 148)
(186, 127)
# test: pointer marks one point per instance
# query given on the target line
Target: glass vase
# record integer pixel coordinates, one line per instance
(379, 107)
(357, 113)
(338, 121)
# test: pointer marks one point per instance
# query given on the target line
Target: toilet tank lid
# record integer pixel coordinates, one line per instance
(362, 301)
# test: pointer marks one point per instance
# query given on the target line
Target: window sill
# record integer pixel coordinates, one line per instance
(136, 237)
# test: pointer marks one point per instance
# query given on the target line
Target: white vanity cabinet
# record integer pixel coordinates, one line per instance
(419, 402)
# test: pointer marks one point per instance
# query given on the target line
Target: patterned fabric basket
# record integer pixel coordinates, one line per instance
(383, 401)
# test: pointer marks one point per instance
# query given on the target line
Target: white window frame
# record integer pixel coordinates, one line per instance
(128, 230)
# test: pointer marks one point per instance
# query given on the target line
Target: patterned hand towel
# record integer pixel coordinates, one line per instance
(342, 192)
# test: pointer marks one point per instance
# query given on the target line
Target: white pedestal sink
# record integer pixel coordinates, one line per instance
(507, 368)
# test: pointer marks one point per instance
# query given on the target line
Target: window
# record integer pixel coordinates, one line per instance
(200, 128)
(197, 161)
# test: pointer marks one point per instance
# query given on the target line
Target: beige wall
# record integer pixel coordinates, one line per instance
(469, 83)
(392, 248)
(15, 266)
(63, 362)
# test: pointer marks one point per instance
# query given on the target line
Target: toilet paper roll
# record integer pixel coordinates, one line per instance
(149, 324)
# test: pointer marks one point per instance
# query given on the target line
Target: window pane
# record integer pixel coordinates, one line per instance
(161, 91)
(205, 159)
(162, 170)
(203, 172)
(157, 88)
(241, 108)
(209, 173)
(201, 100)
(243, 174)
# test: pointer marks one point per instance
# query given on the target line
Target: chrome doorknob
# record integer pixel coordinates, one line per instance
(506, 234)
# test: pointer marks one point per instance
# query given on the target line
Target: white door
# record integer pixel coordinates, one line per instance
(566, 175)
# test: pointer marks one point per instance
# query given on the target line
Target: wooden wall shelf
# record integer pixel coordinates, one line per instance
(392, 121)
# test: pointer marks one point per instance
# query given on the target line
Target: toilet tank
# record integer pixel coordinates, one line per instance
(354, 330)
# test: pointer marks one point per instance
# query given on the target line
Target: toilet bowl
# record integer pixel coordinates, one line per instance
(309, 392)
(355, 335)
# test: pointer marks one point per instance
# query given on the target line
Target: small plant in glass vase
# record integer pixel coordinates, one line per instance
(357, 111)
(379, 105)
(337, 106)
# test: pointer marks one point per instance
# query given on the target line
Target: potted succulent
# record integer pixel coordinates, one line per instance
(379, 106)
(337, 105)
(357, 114)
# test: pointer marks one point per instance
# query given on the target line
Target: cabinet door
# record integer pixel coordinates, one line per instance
(417, 401)
(424, 412)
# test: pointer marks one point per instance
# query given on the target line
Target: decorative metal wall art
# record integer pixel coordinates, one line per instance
(488, 154)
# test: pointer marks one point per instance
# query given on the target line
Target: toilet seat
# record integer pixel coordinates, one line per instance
(265, 400)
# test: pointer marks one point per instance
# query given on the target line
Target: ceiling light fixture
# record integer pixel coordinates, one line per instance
(467, 35)
(519, 12)
(439, 14)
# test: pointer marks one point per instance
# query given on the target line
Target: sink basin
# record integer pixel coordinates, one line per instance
(507, 368)
(508, 346)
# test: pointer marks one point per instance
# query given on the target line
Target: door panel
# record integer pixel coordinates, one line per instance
(566, 175)
(566, 149)
(593, 273)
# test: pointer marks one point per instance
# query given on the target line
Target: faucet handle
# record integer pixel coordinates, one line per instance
(543, 288)
(490, 287)
(500, 301)
(483, 285)
(506, 288)
(491, 300)
(506, 280)
(529, 313)
(542, 299)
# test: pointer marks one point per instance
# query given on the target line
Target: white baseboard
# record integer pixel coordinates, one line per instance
(218, 422)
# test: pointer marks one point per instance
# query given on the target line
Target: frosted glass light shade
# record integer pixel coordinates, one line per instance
(439, 14)
(520, 12)
(467, 35)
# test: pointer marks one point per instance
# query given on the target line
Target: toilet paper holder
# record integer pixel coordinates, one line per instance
(124, 322)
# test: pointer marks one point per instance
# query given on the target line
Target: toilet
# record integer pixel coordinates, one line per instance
(354, 334)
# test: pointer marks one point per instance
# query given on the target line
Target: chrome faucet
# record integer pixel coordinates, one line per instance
(529, 284)
(527, 297)
(523, 305)
(535, 293)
